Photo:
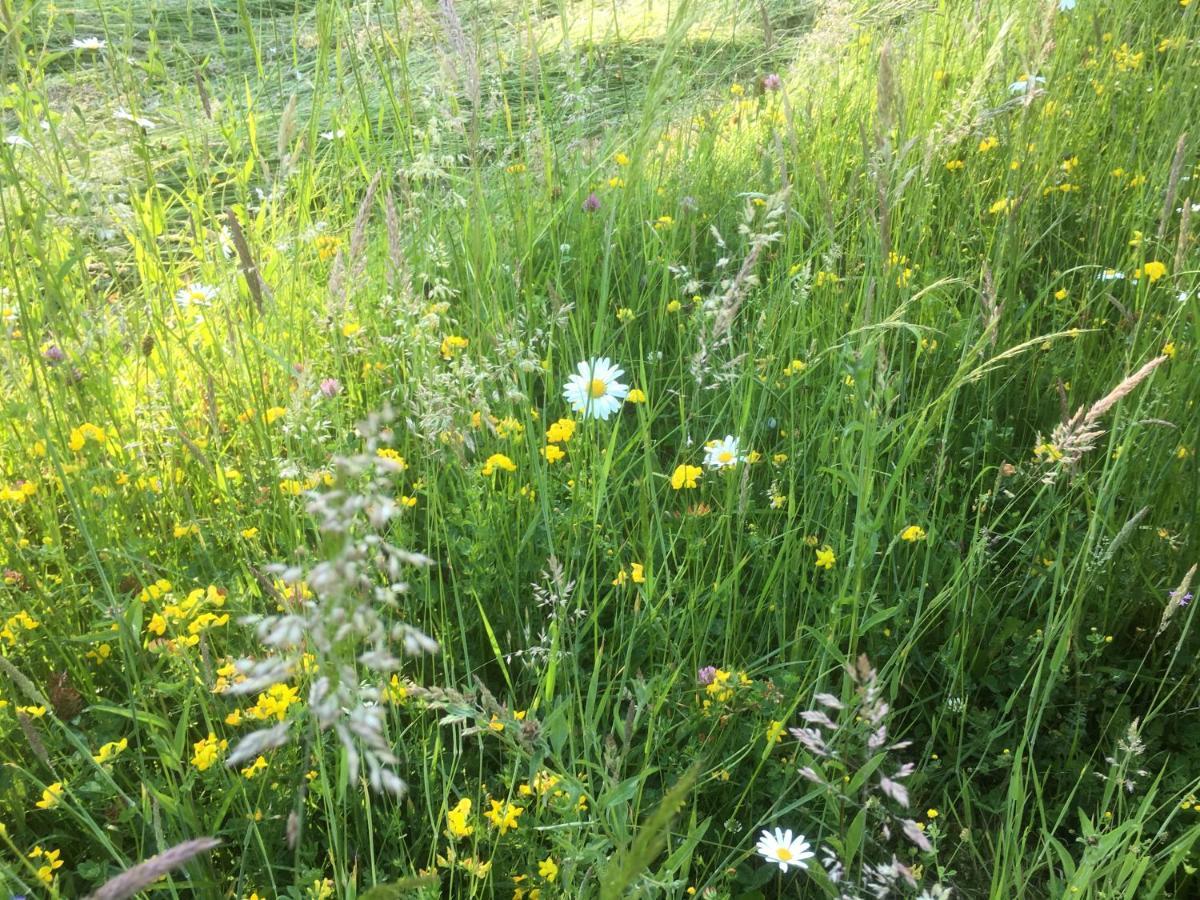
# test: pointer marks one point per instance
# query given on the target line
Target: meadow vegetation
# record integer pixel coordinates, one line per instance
(497, 448)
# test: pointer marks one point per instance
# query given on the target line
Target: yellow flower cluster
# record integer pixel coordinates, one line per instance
(503, 815)
(84, 433)
(17, 492)
(452, 344)
(561, 431)
(208, 751)
(49, 863)
(498, 461)
(192, 615)
(273, 703)
(22, 621)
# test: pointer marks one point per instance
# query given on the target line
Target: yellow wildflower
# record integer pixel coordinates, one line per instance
(685, 476)
(498, 461)
(208, 751)
(50, 796)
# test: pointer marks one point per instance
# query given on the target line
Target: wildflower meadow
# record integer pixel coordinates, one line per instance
(730, 449)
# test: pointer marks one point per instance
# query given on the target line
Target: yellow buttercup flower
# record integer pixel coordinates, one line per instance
(913, 533)
(826, 557)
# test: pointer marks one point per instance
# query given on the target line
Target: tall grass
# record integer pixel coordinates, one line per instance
(234, 231)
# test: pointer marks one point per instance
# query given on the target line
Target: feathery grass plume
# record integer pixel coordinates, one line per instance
(144, 874)
(287, 127)
(346, 619)
(1071, 439)
(351, 261)
(991, 308)
(254, 279)
(1104, 555)
(461, 61)
(721, 308)
(967, 112)
(1185, 224)
(848, 748)
(399, 280)
(553, 595)
(1172, 186)
(202, 90)
(27, 687)
(1177, 600)
(34, 739)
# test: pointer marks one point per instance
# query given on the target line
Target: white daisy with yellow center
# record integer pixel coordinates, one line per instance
(783, 850)
(723, 453)
(195, 295)
(594, 390)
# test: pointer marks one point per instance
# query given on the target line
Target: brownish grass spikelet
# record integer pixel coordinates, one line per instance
(1076, 436)
(144, 874)
(351, 262)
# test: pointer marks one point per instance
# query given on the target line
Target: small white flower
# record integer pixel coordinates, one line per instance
(722, 453)
(15, 140)
(195, 295)
(88, 43)
(1110, 275)
(1025, 84)
(333, 135)
(1066, 5)
(595, 391)
(783, 850)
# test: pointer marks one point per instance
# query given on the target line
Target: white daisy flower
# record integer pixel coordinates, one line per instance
(333, 135)
(195, 295)
(88, 43)
(1025, 84)
(784, 850)
(1066, 5)
(1110, 275)
(722, 453)
(595, 391)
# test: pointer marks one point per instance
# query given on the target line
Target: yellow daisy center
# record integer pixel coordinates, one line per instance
(597, 388)
(784, 854)
(725, 456)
